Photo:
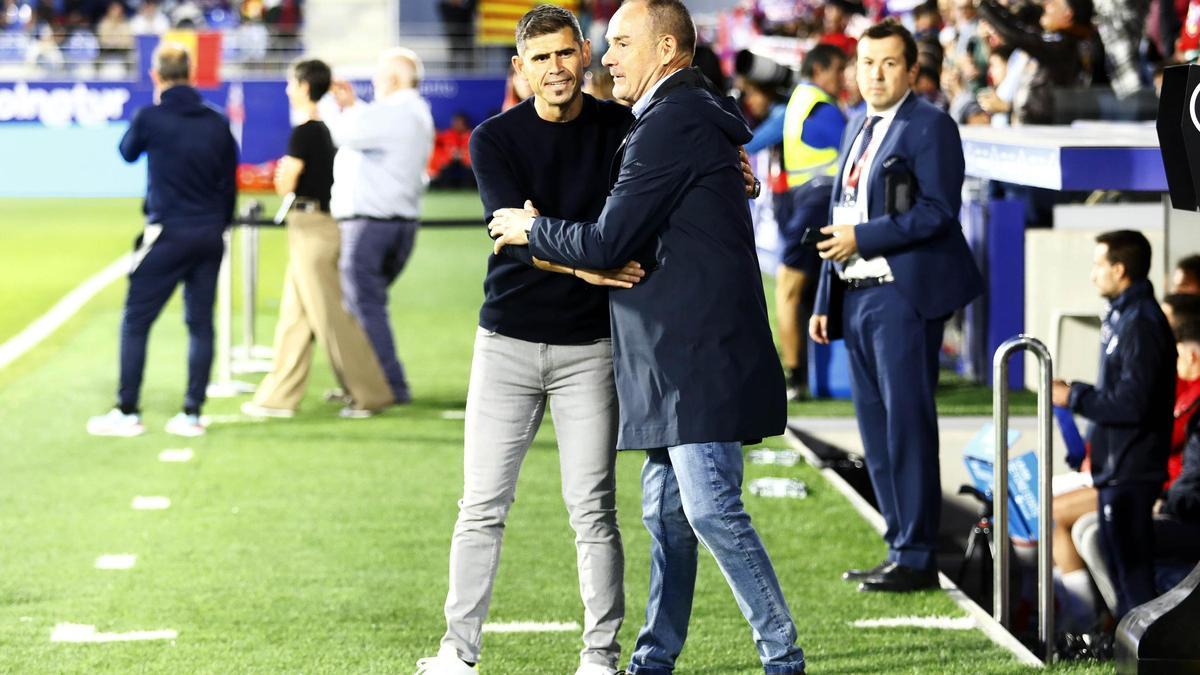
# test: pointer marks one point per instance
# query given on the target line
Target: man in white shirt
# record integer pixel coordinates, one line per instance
(378, 180)
(896, 266)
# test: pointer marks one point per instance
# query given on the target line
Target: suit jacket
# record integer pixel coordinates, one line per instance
(924, 245)
(692, 349)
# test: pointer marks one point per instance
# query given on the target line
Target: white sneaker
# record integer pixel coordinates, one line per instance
(595, 669)
(116, 423)
(254, 410)
(445, 663)
(184, 424)
(352, 413)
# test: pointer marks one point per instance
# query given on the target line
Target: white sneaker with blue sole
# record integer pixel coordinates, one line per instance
(116, 423)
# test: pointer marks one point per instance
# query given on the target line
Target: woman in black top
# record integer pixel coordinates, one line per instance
(312, 296)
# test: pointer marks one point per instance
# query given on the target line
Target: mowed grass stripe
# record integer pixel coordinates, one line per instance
(320, 545)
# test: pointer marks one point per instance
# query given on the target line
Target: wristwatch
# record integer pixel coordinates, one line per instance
(757, 189)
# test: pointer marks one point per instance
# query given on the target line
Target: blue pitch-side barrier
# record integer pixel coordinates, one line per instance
(60, 138)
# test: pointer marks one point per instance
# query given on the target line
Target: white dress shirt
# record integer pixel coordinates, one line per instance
(383, 151)
(856, 267)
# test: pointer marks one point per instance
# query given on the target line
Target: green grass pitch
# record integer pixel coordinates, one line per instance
(320, 545)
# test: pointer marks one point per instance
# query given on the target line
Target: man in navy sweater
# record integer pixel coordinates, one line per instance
(1132, 410)
(190, 198)
(543, 338)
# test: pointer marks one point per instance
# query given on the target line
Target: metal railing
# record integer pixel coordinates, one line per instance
(249, 357)
(1000, 537)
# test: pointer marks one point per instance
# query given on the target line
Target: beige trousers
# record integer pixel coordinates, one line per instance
(312, 309)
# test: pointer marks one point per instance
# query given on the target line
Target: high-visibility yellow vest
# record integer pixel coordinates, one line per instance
(803, 161)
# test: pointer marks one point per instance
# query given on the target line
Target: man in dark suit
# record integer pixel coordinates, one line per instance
(696, 370)
(896, 266)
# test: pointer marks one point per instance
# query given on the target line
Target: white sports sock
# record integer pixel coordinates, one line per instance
(1078, 600)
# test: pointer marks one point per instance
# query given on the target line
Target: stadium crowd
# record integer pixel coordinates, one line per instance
(80, 36)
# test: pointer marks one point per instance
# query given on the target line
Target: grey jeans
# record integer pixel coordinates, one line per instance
(511, 380)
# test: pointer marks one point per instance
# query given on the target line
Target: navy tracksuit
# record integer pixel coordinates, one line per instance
(191, 191)
(1132, 407)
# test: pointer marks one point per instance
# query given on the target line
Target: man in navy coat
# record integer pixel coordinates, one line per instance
(695, 365)
(897, 265)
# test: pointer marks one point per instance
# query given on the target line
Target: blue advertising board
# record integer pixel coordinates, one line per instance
(60, 137)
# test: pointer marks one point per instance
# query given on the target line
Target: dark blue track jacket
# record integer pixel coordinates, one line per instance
(1132, 404)
(192, 157)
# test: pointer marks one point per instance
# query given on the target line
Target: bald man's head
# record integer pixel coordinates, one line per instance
(398, 68)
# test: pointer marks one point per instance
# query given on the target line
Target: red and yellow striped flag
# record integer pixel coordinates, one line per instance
(498, 18)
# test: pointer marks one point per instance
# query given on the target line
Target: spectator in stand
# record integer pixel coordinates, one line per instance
(450, 163)
(1185, 278)
(1063, 45)
(114, 31)
(927, 22)
(835, 18)
(149, 20)
(458, 22)
(1121, 25)
(44, 53)
(928, 87)
(1131, 410)
(252, 37)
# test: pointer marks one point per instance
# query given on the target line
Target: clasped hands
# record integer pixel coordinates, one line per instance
(510, 227)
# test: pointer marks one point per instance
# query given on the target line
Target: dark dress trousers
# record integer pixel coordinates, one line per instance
(693, 354)
(893, 331)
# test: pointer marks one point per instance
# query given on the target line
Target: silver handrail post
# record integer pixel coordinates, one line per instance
(1045, 455)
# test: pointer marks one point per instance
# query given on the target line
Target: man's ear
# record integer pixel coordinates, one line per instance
(585, 52)
(518, 64)
(668, 49)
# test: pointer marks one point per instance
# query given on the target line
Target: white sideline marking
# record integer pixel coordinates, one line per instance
(78, 632)
(141, 503)
(454, 414)
(531, 627)
(990, 627)
(45, 325)
(938, 622)
(116, 561)
(175, 455)
(230, 419)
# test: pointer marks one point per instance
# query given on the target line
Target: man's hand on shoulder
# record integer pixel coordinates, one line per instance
(510, 227)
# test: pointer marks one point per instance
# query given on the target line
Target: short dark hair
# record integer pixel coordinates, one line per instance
(316, 74)
(172, 63)
(893, 28)
(1082, 12)
(671, 17)
(1184, 306)
(823, 57)
(1190, 266)
(1187, 329)
(925, 9)
(1131, 249)
(544, 20)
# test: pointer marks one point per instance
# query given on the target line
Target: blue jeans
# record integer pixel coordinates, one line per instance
(693, 493)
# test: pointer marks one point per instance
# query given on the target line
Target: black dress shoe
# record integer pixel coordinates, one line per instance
(860, 575)
(900, 579)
